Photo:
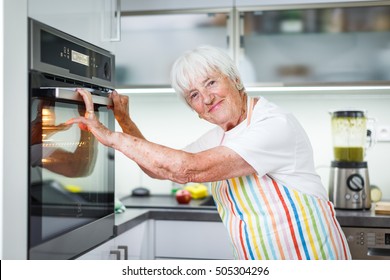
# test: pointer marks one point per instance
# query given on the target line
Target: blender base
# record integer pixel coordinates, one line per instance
(349, 186)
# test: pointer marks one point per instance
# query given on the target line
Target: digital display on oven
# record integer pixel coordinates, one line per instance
(75, 58)
(387, 238)
(80, 58)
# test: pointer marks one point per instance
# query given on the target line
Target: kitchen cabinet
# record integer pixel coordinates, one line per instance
(150, 43)
(158, 5)
(192, 240)
(253, 3)
(13, 142)
(315, 44)
(165, 239)
(94, 21)
(133, 244)
(274, 43)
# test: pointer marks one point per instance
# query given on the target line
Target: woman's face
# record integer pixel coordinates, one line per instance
(216, 99)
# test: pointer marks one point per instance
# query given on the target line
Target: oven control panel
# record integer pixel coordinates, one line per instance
(368, 243)
(60, 54)
(76, 58)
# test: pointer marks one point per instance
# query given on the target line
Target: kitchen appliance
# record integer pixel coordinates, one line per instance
(349, 186)
(71, 175)
(368, 243)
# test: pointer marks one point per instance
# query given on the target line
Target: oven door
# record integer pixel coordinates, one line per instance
(71, 190)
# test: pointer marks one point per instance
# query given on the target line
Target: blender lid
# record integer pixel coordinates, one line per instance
(349, 113)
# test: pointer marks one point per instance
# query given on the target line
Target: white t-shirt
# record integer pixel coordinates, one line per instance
(274, 143)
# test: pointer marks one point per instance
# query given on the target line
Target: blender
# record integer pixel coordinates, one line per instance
(349, 185)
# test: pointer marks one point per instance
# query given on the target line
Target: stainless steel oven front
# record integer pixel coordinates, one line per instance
(368, 243)
(71, 175)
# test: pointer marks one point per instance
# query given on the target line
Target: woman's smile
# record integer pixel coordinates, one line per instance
(215, 107)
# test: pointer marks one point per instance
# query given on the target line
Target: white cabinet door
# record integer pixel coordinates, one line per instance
(192, 240)
(136, 242)
(132, 244)
(150, 44)
(90, 20)
(101, 252)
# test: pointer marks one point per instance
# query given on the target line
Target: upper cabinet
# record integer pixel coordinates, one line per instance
(95, 21)
(151, 42)
(278, 42)
(279, 3)
(173, 5)
(315, 44)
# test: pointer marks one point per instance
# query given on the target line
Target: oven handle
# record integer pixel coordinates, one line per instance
(72, 95)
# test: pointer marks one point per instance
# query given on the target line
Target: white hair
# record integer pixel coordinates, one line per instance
(199, 63)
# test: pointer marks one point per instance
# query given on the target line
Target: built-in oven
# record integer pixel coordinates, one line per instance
(71, 175)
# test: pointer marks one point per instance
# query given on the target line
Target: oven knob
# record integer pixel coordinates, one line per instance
(355, 182)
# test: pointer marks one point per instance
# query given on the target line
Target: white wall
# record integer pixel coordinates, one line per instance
(1, 124)
(166, 120)
(14, 110)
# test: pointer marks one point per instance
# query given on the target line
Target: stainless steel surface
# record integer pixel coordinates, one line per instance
(349, 188)
(69, 245)
(36, 62)
(368, 243)
(71, 94)
(61, 223)
(167, 202)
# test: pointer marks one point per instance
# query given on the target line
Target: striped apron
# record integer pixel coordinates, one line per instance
(267, 220)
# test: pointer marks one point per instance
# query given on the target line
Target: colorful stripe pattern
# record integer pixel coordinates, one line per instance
(267, 220)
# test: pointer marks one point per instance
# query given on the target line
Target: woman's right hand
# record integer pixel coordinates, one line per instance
(120, 108)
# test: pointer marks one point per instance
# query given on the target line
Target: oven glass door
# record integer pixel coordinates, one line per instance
(71, 174)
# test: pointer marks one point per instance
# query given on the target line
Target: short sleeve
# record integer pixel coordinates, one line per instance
(209, 140)
(267, 144)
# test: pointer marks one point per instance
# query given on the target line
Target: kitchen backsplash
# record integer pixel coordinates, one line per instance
(165, 119)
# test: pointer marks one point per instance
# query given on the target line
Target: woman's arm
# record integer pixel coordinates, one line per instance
(166, 163)
(182, 167)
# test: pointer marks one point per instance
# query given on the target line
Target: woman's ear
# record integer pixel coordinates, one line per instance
(239, 86)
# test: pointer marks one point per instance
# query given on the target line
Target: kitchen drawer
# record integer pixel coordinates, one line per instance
(192, 240)
(133, 244)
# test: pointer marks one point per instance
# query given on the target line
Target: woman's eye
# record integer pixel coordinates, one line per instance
(193, 95)
(210, 83)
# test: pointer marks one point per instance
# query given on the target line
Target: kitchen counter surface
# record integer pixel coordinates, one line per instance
(165, 207)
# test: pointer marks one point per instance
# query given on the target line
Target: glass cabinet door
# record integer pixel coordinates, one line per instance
(321, 45)
(151, 43)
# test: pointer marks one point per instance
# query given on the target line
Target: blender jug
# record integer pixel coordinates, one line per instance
(349, 180)
(349, 129)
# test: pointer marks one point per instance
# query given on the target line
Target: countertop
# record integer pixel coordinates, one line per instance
(165, 207)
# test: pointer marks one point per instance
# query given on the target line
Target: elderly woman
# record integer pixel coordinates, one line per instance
(258, 156)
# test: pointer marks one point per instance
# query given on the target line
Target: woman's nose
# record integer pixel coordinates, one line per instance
(207, 98)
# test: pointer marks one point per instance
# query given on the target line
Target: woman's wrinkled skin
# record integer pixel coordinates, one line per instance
(215, 98)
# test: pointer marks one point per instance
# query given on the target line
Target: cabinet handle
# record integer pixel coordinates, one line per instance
(111, 23)
(117, 15)
(116, 253)
(125, 251)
